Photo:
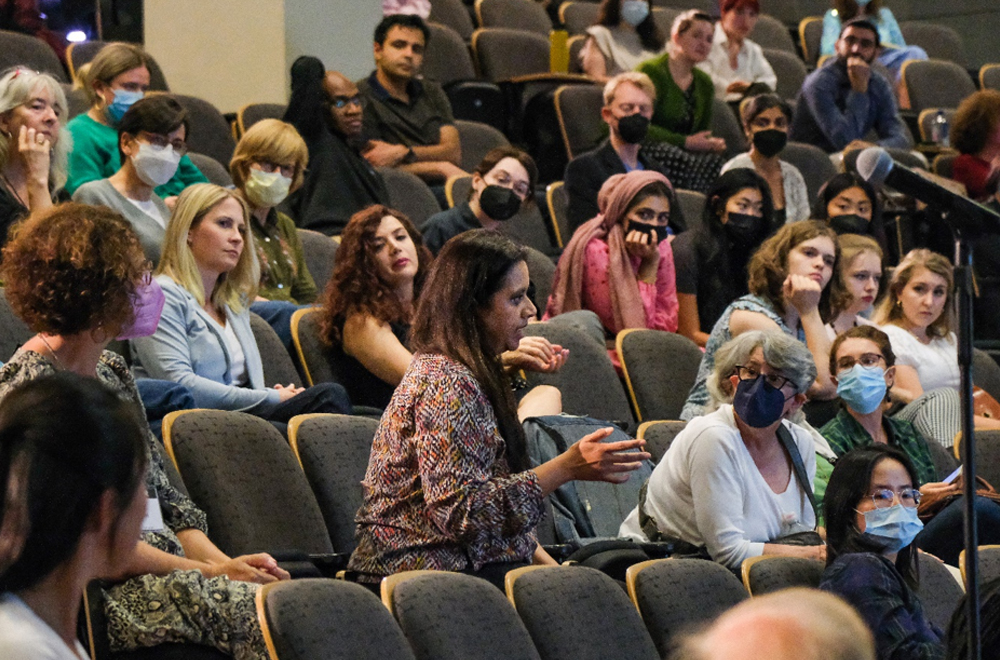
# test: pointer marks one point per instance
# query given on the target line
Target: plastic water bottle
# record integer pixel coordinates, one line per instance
(939, 129)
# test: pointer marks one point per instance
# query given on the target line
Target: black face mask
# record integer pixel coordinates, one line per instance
(849, 224)
(660, 232)
(633, 128)
(499, 203)
(770, 142)
(744, 229)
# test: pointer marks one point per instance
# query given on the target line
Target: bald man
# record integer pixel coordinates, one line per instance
(792, 624)
(339, 181)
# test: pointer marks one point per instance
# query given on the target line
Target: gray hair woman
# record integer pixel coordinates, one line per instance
(737, 481)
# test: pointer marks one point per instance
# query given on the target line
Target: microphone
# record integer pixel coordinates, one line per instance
(877, 167)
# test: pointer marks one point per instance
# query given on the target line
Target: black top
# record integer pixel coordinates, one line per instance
(710, 270)
(338, 183)
(445, 225)
(364, 387)
(11, 210)
(418, 122)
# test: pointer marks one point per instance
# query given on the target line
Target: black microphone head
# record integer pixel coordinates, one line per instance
(874, 165)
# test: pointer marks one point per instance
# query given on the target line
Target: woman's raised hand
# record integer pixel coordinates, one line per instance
(35, 148)
(803, 293)
(592, 459)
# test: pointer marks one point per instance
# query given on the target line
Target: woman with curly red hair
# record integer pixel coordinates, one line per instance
(368, 307)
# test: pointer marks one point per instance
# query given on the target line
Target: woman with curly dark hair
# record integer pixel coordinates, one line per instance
(78, 277)
(788, 278)
(369, 305)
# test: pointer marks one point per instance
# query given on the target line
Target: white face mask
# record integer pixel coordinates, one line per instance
(155, 166)
(266, 189)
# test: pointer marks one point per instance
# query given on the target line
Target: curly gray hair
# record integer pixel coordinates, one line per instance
(786, 354)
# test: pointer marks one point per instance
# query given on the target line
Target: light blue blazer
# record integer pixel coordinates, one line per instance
(188, 348)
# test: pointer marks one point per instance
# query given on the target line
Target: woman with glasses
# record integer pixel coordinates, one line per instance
(871, 517)
(736, 482)
(151, 143)
(502, 183)
(620, 264)
(865, 371)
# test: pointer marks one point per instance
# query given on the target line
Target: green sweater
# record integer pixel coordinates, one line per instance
(669, 108)
(95, 156)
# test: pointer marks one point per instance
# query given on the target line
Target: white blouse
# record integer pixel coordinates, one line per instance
(751, 65)
(936, 363)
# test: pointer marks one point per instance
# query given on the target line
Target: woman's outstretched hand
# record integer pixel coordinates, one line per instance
(591, 459)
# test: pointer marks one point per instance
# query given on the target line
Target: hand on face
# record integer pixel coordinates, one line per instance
(35, 148)
(802, 293)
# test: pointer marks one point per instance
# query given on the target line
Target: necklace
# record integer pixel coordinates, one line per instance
(10, 186)
(52, 352)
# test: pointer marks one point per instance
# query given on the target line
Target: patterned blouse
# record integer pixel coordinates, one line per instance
(438, 492)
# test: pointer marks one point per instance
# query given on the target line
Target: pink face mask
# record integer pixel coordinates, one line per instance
(147, 306)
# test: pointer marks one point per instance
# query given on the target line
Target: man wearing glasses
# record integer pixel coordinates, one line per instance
(842, 101)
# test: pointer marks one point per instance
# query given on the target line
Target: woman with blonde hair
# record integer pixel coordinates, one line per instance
(113, 81)
(860, 273)
(209, 275)
(34, 144)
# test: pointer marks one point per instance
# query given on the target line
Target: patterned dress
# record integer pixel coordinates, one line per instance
(438, 492)
(183, 606)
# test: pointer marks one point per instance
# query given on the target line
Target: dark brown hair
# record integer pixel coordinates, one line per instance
(872, 334)
(848, 9)
(493, 158)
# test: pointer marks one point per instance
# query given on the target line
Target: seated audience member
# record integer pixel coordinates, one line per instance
(860, 273)
(325, 108)
(975, 132)
(421, 8)
(77, 276)
(918, 315)
(86, 528)
(151, 140)
(864, 367)
(851, 205)
(269, 162)
(989, 615)
(624, 36)
(738, 479)
(894, 52)
(113, 81)
(448, 485)
(843, 100)
(502, 184)
(203, 341)
(788, 278)
(628, 106)
(407, 119)
(871, 521)
(619, 264)
(680, 137)
(369, 305)
(790, 624)
(33, 144)
(711, 259)
(735, 63)
(765, 121)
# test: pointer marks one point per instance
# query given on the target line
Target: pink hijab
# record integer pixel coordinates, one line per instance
(567, 289)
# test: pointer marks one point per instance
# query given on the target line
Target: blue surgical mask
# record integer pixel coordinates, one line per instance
(758, 404)
(862, 388)
(124, 100)
(634, 11)
(892, 528)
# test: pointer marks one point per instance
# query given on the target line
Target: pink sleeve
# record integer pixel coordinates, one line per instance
(660, 300)
(596, 294)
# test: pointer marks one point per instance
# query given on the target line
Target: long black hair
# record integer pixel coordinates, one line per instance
(64, 441)
(712, 243)
(307, 106)
(845, 181)
(849, 484)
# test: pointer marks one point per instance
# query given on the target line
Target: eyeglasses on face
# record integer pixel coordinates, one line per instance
(883, 498)
(777, 381)
(866, 360)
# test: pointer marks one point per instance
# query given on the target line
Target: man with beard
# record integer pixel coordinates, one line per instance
(842, 101)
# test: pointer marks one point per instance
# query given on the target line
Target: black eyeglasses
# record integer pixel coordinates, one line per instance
(867, 360)
(777, 381)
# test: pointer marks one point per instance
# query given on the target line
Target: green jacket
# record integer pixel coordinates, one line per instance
(669, 108)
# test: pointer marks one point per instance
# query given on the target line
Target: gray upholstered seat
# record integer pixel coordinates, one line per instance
(477, 139)
(676, 594)
(987, 454)
(541, 272)
(810, 34)
(409, 194)
(660, 368)
(944, 462)
(242, 473)
(26, 50)
(208, 131)
(557, 199)
(316, 358)
(789, 69)
(278, 365)
(692, 204)
(659, 435)
(812, 162)
(579, 613)
(504, 53)
(988, 563)
(766, 573)
(725, 125)
(939, 591)
(578, 110)
(513, 15)
(333, 451)
(319, 619)
(213, 170)
(936, 84)
(588, 381)
(449, 616)
(320, 252)
(576, 17)
(989, 76)
(252, 113)
(447, 56)
(940, 41)
(772, 33)
(79, 54)
(13, 331)
(454, 14)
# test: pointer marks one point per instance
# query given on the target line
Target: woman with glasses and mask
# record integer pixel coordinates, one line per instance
(502, 184)
(871, 522)
(624, 36)
(736, 482)
(151, 143)
(865, 370)
(619, 264)
(765, 122)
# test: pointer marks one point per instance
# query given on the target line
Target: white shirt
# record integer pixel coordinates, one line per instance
(621, 47)
(149, 208)
(24, 636)
(751, 65)
(238, 361)
(796, 193)
(707, 491)
(936, 363)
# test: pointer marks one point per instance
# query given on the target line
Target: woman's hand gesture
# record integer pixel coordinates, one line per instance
(592, 459)
(35, 148)
(802, 293)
